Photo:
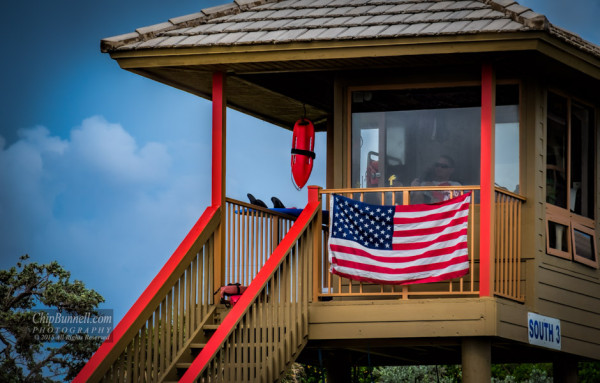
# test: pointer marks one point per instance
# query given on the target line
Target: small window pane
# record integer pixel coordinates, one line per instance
(584, 245)
(558, 237)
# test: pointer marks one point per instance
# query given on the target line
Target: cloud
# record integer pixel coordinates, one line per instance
(108, 149)
(100, 202)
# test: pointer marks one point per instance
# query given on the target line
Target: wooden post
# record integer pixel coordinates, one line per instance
(564, 369)
(219, 105)
(486, 218)
(338, 365)
(476, 360)
(314, 195)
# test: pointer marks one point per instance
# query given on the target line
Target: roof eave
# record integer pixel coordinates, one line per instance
(348, 49)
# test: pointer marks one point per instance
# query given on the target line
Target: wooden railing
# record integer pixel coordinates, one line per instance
(268, 327)
(335, 286)
(508, 246)
(161, 324)
(252, 234)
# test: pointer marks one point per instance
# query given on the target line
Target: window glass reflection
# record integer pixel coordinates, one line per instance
(400, 136)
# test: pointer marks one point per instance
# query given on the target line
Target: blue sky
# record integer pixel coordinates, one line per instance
(106, 171)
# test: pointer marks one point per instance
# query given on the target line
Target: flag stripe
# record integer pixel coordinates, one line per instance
(459, 260)
(394, 281)
(352, 252)
(399, 244)
(421, 231)
(425, 209)
(408, 219)
(432, 241)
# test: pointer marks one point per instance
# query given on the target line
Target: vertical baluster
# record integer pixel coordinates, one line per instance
(231, 242)
(144, 356)
(252, 243)
(162, 352)
(514, 250)
(497, 244)
(244, 265)
(501, 251)
(237, 341)
(193, 297)
(209, 270)
(472, 244)
(136, 357)
(518, 248)
(180, 312)
(238, 238)
(272, 326)
(155, 337)
(168, 326)
(202, 277)
(121, 367)
(261, 250)
(129, 369)
(287, 300)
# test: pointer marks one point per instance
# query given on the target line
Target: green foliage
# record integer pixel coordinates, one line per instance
(522, 372)
(589, 372)
(304, 373)
(24, 356)
(411, 374)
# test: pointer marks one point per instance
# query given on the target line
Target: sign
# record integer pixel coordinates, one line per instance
(543, 331)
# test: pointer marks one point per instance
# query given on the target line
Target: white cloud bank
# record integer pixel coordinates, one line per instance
(112, 209)
(108, 208)
(108, 149)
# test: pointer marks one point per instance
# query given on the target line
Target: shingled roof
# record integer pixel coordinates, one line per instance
(277, 22)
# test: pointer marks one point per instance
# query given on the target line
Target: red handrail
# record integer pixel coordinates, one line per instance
(127, 323)
(234, 316)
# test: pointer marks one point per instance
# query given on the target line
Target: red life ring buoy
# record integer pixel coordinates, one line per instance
(303, 155)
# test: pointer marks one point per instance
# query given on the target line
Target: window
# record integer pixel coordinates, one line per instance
(507, 138)
(402, 135)
(570, 181)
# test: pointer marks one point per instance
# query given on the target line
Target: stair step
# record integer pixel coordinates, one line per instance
(197, 345)
(183, 365)
(210, 327)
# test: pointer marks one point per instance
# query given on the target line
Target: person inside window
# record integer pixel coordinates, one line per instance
(439, 174)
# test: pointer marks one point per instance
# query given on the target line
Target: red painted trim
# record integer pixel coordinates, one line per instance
(138, 307)
(313, 193)
(218, 121)
(234, 316)
(485, 217)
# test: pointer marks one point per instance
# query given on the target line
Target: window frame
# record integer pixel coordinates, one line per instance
(389, 86)
(555, 216)
(577, 258)
(564, 216)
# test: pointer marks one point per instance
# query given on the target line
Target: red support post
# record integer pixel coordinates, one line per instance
(314, 196)
(219, 127)
(218, 138)
(313, 193)
(487, 181)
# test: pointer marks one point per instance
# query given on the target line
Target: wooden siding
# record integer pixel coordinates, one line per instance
(402, 319)
(571, 292)
(563, 289)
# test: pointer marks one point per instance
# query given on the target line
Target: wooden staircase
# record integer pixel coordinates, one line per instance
(267, 329)
(197, 342)
(176, 332)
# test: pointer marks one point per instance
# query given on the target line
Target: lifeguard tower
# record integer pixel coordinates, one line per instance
(510, 97)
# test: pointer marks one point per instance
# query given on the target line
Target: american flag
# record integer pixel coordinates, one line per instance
(399, 244)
